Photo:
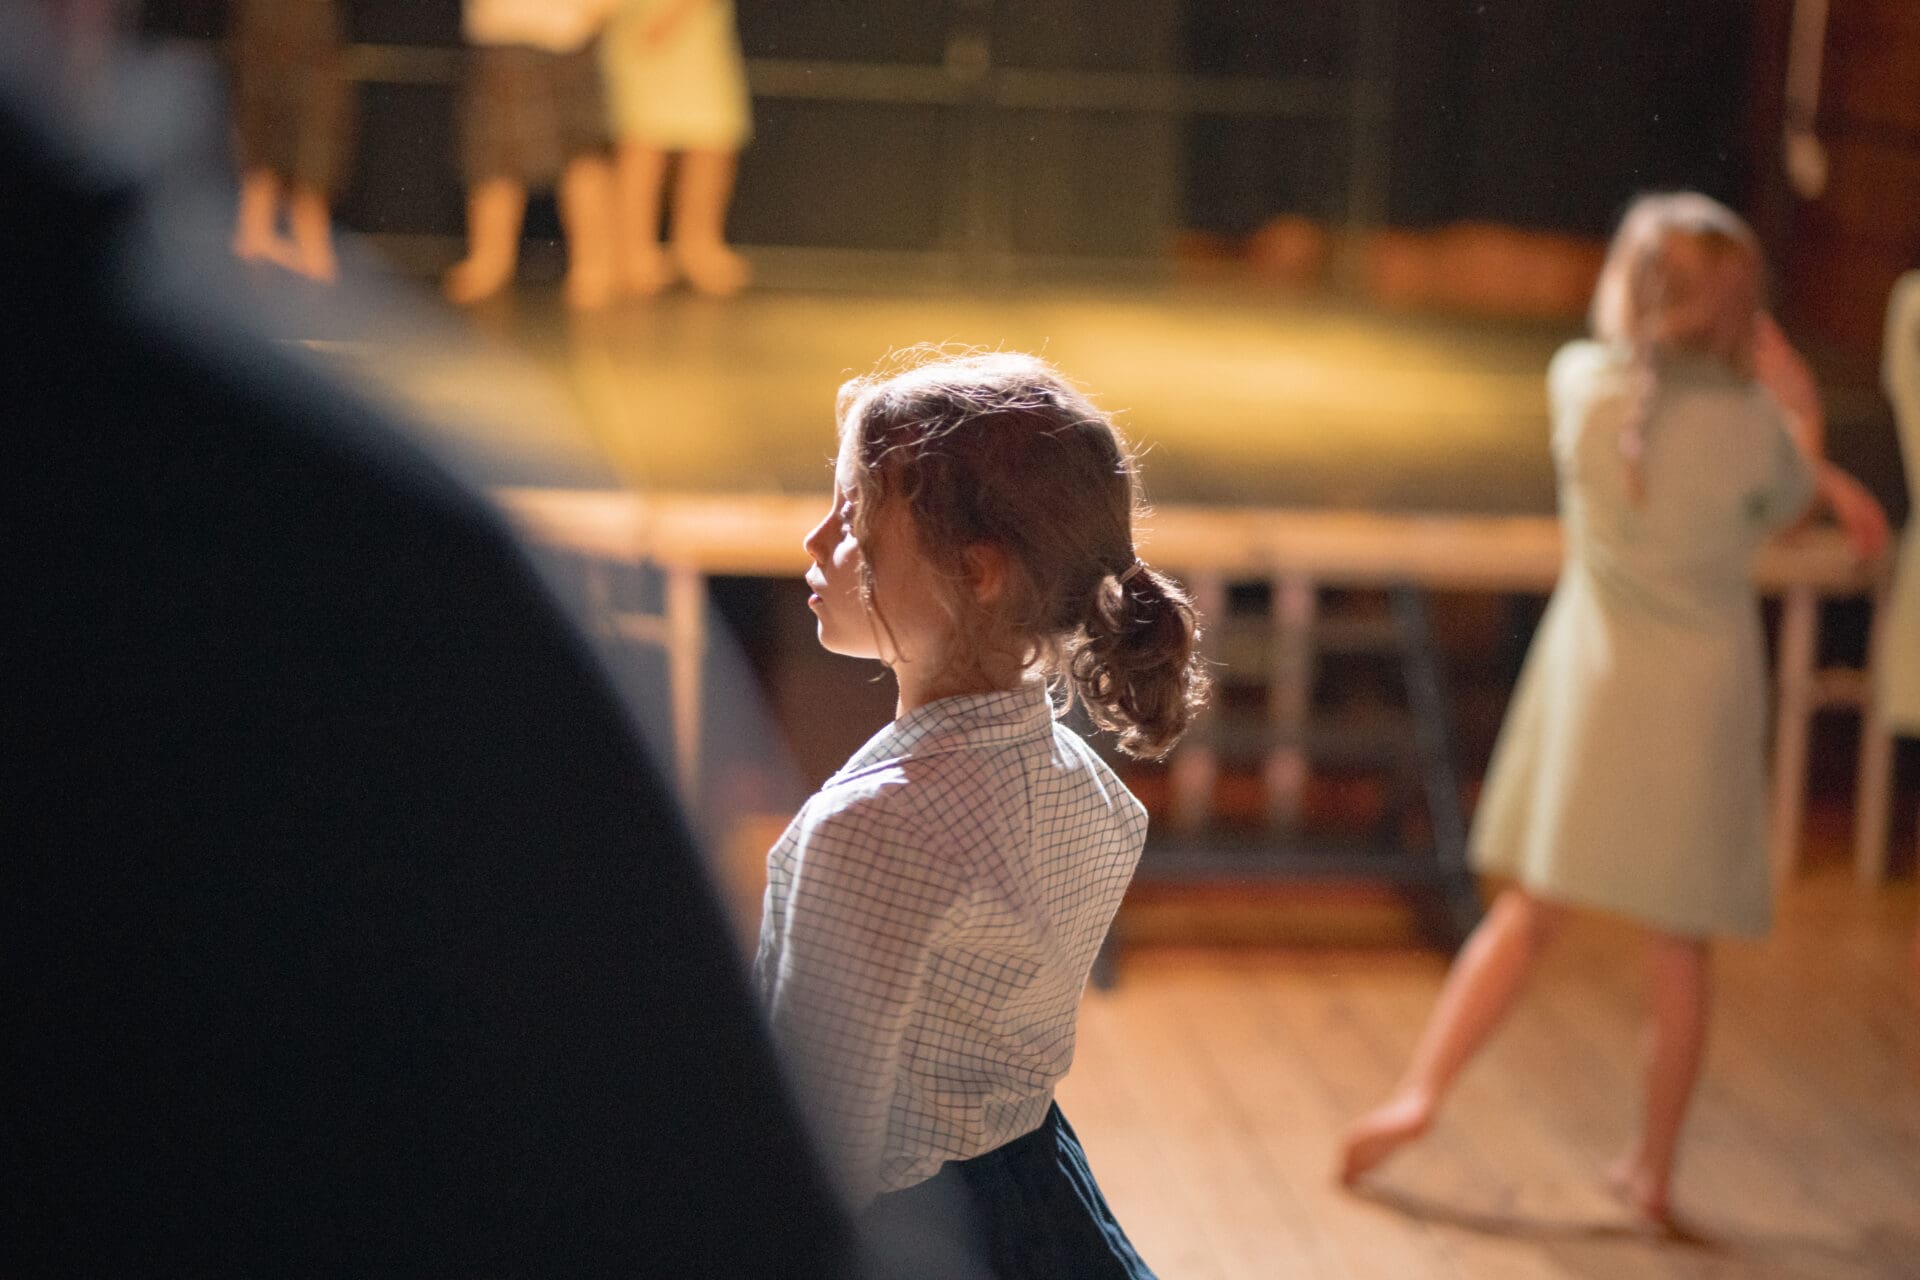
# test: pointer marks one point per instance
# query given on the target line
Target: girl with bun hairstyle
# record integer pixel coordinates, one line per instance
(1629, 775)
(933, 913)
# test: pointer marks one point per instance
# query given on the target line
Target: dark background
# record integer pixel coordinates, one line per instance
(1539, 113)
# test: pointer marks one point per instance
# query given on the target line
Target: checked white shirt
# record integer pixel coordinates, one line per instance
(930, 920)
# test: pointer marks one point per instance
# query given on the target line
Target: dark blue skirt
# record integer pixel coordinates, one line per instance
(1029, 1209)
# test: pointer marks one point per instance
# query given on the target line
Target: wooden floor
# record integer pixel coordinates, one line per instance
(1237, 397)
(1212, 1083)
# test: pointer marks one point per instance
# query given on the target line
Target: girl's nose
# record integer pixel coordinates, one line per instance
(813, 541)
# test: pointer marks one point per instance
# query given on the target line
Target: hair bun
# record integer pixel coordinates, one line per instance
(1136, 666)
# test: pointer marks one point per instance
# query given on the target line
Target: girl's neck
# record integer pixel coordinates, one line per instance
(917, 690)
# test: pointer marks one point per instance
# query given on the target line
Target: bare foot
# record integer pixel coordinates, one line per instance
(1382, 1131)
(713, 269)
(317, 262)
(312, 228)
(586, 289)
(475, 279)
(1641, 1190)
(270, 248)
(645, 272)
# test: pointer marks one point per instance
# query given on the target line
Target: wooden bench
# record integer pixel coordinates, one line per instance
(693, 536)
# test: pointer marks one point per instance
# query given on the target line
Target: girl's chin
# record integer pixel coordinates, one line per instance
(832, 645)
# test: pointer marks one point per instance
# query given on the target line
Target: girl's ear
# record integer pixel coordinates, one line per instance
(986, 571)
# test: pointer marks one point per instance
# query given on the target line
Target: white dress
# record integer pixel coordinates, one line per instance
(688, 93)
(1899, 667)
(1629, 775)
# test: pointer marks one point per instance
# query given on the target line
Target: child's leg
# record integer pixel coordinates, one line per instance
(586, 209)
(312, 225)
(640, 175)
(494, 210)
(1678, 979)
(1485, 981)
(256, 231)
(702, 191)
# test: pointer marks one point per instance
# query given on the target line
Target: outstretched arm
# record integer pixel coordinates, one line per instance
(1786, 376)
(1784, 373)
(1858, 512)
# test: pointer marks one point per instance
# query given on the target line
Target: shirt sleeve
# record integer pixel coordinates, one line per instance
(1790, 479)
(869, 897)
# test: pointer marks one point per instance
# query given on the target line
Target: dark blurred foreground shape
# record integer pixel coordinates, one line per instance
(349, 929)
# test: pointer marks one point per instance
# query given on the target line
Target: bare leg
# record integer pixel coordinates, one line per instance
(256, 231)
(640, 175)
(312, 225)
(1678, 980)
(586, 210)
(702, 192)
(494, 210)
(1485, 981)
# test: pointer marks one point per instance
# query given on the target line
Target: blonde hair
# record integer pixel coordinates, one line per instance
(999, 449)
(1683, 274)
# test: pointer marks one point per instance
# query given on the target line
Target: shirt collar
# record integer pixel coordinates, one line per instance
(956, 724)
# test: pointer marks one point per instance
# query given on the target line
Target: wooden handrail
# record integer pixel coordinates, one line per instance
(695, 536)
(759, 534)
